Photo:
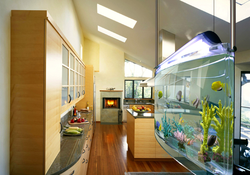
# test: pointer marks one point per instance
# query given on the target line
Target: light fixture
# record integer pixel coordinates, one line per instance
(111, 34)
(111, 14)
(242, 8)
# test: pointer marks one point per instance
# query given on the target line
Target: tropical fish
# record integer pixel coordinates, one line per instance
(190, 142)
(211, 140)
(179, 95)
(181, 120)
(160, 94)
(157, 124)
(217, 86)
(160, 127)
(196, 102)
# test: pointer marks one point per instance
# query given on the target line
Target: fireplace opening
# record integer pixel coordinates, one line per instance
(111, 102)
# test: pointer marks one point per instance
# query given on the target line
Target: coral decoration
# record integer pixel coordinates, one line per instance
(207, 115)
(180, 136)
(224, 129)
(166, 126)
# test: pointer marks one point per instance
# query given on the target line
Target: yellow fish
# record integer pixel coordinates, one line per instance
(217, 86)
(181, 120)
(160, 127)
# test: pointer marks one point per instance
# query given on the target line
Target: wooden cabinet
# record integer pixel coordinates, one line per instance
(36, 91)
(151, 107)
(141, 139)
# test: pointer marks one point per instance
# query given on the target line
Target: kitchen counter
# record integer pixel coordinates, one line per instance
(71, 147)
(141, 137)
(138, 103)
(144, 115)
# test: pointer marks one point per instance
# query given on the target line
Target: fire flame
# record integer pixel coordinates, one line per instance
(110, 102)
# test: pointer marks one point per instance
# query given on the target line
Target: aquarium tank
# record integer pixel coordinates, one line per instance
(194, 105)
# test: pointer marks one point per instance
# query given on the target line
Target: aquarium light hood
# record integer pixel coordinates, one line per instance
(148, 83)
(202, 42)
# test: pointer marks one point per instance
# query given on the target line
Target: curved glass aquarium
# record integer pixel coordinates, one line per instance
(194, 105)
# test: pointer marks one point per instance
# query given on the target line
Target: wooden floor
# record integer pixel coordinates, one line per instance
(110, 156)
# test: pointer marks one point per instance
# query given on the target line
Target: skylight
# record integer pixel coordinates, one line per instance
(111, 14)
(112, 34)
(242, 8)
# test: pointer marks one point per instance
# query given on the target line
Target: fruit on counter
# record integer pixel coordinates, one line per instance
(73, 130)
(72, 121)
(79, 120)
(141, 108)
(83, 120)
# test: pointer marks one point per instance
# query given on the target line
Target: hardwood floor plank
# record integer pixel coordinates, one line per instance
(110, 156)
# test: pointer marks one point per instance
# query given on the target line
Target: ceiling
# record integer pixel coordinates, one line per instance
(177, 17)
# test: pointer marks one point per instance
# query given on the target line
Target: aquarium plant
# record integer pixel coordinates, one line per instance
(166, 126)
(189, 132)
(225, 125)
(207, 115)
(177, 125)
(180, 136)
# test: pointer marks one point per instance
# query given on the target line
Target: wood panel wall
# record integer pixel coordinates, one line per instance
(27, 89)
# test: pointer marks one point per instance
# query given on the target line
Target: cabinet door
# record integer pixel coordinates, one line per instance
(65, 76)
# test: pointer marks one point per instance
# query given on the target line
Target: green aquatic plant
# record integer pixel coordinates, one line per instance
(207, 115)
(166, 126)
(177, 126)
(188, 131)
(224, 129)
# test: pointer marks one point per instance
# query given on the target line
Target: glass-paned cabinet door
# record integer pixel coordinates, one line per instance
(83, 90)
(76, 92)
(65, 55)
(76, 65)
(71, 92)
(64, 95)
(72, 59)
(65, 73)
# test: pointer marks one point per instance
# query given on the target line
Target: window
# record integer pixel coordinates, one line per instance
(135, 70)
(133, 90)
(245, 119)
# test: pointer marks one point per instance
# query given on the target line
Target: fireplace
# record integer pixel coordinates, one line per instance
(111, 103)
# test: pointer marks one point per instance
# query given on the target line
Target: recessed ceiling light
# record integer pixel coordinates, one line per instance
(111, 14)
(242, 8)
(112, 34)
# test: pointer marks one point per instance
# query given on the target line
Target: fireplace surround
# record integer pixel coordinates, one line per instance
(111, 102)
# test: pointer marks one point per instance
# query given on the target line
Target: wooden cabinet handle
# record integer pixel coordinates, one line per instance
(83, 160)
(83, 92)
(83, 151)
(72, 172)
(87, 161)
(79, 94)
(87, 146)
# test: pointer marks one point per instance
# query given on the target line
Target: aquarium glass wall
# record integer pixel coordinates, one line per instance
(194, 115)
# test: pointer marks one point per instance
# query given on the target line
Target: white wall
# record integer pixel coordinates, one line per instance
(111, 72)
(63, 13)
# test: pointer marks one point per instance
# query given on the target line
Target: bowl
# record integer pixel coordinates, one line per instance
(141, 112)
